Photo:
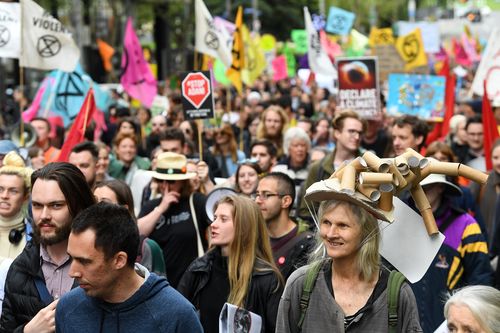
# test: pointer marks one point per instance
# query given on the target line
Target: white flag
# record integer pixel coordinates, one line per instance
(319, 62)
(10, 30)
(46, 43)
(489, 68)
(209, 39)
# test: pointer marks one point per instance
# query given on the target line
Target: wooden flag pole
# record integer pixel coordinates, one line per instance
(200, 142)
(21, 107)
(21, 83)
(195, 60)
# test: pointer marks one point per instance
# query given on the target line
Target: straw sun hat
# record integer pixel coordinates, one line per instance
(171, 166)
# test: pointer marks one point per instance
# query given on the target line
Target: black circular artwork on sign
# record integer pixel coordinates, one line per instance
(4, 35)
(212, 40)
(48, 46)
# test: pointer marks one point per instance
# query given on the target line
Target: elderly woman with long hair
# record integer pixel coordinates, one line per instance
(226, 152)
(238, 269)
(349, 292)
(273, 124)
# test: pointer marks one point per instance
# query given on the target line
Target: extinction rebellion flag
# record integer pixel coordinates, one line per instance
(46, 43)
(10, 30)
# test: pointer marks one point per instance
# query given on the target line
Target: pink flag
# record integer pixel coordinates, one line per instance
(137, 78)
(442, 55)
(280, 69)
(470, 48)
(461, 57)
(332, 49)
(32, 111)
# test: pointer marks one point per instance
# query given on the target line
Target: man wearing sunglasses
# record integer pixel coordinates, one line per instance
(291, 242)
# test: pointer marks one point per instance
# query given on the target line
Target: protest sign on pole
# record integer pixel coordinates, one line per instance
(339, 21)
(417, 95)
(197, 97)
(411, 49)
(358, 86)
(382, 36)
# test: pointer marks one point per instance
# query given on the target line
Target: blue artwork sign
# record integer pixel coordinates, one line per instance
(339, 21)
(417, 95)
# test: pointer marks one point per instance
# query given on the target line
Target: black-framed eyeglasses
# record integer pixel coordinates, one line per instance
(266, 195)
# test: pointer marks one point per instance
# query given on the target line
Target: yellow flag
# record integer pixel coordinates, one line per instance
(238, 52)
(206, 62)
(255, 62)
(382, 36)
(411, 49)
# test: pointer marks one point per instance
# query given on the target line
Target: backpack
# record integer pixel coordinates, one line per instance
(394, 284)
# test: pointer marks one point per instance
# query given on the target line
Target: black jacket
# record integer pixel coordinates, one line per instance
(22, 301)
(263, 297)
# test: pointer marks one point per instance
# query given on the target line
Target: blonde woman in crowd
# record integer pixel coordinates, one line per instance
(238, 269)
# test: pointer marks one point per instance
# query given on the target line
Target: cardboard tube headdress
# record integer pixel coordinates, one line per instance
(371, 182)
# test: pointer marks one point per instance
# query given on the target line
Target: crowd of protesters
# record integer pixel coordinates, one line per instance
(268, 145)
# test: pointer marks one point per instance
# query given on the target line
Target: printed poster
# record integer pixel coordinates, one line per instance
(417, 95)
(358, 85)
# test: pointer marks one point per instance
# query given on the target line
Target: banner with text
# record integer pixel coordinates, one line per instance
(358, 85)
(197, 97)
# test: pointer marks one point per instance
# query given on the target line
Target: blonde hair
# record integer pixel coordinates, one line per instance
(250, 248)
(13, 164)
(368, 258)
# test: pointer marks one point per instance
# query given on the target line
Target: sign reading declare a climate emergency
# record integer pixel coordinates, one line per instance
(358, 86)
(197, 97)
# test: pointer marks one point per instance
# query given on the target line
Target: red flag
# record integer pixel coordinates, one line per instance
(77, 132)
(489, 127)
(441, 129)
(449, 97)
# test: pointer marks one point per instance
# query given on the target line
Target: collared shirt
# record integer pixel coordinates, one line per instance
(56, 276)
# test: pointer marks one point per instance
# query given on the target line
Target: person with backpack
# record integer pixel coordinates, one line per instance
(346, 289)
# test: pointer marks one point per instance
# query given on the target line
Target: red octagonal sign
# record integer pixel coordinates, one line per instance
(196, 88)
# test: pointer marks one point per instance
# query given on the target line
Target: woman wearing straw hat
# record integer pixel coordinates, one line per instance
(239, 269)
(349, 292)
(178, 219)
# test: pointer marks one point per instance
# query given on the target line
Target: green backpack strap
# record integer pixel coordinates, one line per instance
(394, 284)
(309, 282)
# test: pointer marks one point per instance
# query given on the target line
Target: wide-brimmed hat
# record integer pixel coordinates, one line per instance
(171, 166)
(435, 178)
